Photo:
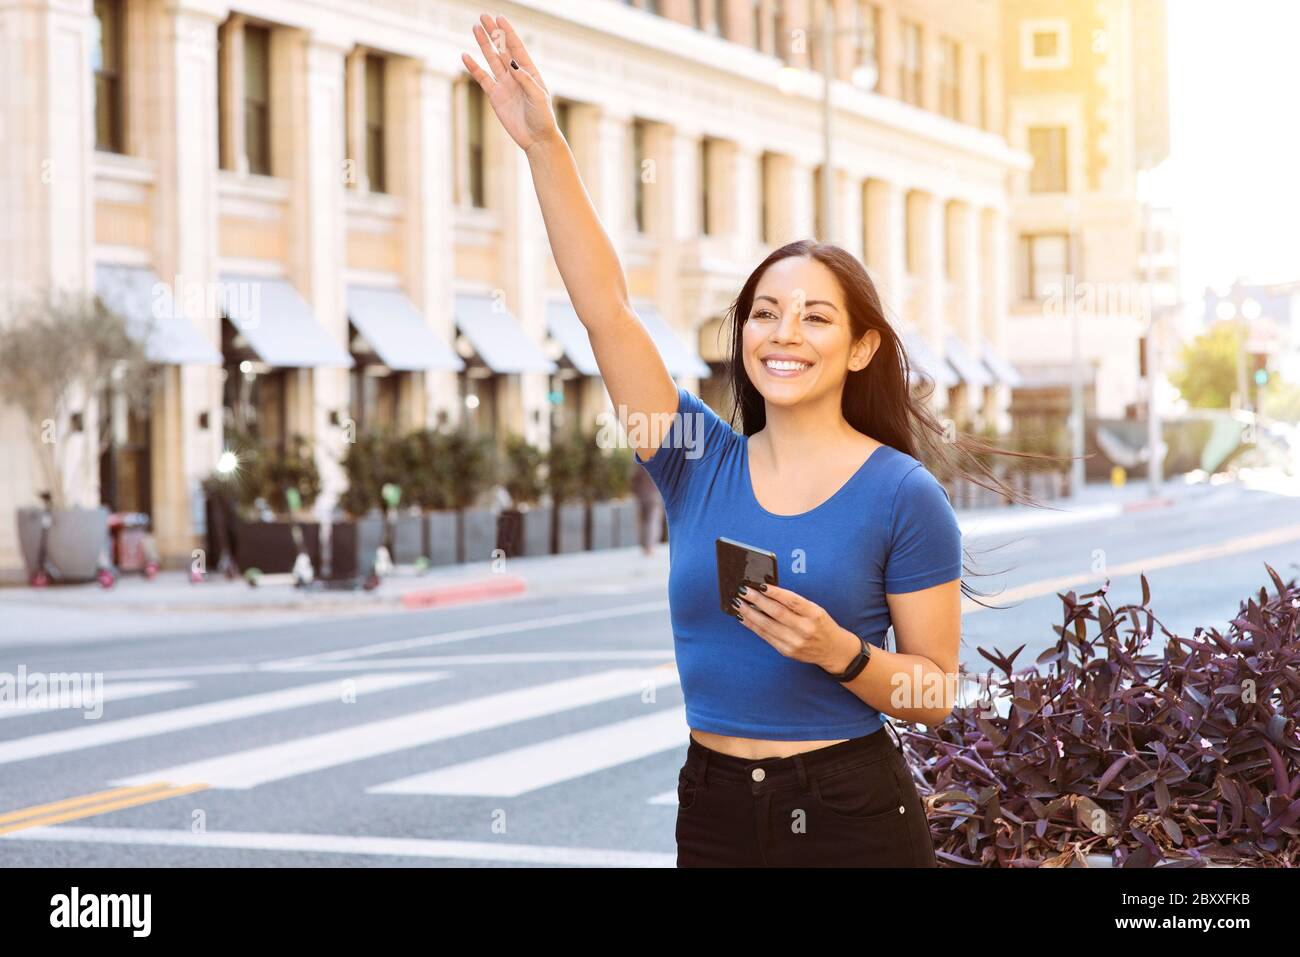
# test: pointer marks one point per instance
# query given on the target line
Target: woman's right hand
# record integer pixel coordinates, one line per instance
(518, 95)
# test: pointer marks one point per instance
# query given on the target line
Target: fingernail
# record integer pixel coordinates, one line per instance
(513, 64)
(738, 618)
(762, 588)
(735, 603)
(743, 590)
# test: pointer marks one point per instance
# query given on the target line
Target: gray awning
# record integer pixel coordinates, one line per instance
(1057, 375)
(497, 336)
(278, 324)
(567, 329)
(395, 329)
(1003, 370)
(972, 371)
(152, 315)
(680, 359)
(922, 358)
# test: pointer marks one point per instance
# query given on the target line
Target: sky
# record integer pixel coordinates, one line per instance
(1233, 174)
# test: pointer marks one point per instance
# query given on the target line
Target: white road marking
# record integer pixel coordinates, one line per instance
(521, 770)
(249, 768)
(501, 658)
(117, 691)
(498, 852)
(483, 631)
(200, 715)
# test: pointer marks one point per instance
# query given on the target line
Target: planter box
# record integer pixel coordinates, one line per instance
(269, 547)
(441, 530)
(408, 537)
(478, 534)
(601, 527)
(353, 546)
(77, 536)
(570, 534)
(627, 516)
(525, 532)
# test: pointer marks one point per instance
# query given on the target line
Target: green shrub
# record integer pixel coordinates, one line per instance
(522, 471)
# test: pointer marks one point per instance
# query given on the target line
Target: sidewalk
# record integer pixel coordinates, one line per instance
(611, 571)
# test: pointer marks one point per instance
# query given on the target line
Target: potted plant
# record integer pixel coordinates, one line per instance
(397, 462)
(525, 528)
(60, 352)
(430, 480)
(276, 489)
(355, 541)
(607, 482)
(471, 462)
(566, 464)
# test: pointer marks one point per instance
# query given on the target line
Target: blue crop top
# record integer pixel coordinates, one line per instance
(889, 528)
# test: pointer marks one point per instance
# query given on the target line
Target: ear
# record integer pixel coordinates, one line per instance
(862, 351)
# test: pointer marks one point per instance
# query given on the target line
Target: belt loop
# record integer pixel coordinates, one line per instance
(898, 743)
(803, 774)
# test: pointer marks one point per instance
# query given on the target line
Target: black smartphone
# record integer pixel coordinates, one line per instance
(741, 564)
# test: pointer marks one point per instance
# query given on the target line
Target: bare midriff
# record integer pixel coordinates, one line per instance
(756, 749)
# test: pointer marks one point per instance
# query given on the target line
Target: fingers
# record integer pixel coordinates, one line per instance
(490, 53)
(796, 603)
(478, 73)
(770, 630)
(516, 47)
(770, 607)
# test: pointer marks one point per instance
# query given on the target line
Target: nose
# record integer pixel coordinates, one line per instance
(790, 328)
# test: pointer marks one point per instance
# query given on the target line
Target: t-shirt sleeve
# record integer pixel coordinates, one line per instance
(691, 435)
(925, 539)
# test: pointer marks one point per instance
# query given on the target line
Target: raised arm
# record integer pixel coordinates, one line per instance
(631, 366)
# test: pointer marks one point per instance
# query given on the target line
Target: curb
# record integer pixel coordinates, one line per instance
(1147, 503)
(461, 592)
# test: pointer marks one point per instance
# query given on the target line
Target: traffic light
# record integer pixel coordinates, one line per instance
(1259, 361)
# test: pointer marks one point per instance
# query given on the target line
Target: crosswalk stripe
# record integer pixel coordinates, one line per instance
(482, 631)
(199, 715)
(520, 770)
(249, 768)
(493, 851)
(499, 658)
(115, 691)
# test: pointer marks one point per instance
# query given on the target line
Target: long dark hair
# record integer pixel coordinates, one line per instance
(878, 400)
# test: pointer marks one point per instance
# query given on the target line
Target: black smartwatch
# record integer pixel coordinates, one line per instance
(857, 664)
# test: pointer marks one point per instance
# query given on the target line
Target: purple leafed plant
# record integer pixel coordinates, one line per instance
(1183, 758)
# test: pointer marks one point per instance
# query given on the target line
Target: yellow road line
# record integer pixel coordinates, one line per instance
(89, 805)
(1186, 556)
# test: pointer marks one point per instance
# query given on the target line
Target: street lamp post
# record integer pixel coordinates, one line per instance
(828, 75)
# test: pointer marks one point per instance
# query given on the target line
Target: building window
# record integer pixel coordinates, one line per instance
(1047, 146)
(706, 224)
(257, 99)
(949, 78)
(911, 259)
(697, 14)
(474, 146)
(909, 87)
(756, 7)
(1044, 263)
(780, 46)
(715, 18)
(638, 157)
(1045, 44)
(106, 61)
(819, 190)
(866, 32)
(375, 155)
(764, 207)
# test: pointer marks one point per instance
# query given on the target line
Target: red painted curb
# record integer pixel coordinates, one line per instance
(480, 590)
(1147, 503)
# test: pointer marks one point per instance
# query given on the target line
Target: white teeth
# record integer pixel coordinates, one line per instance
(785, 365)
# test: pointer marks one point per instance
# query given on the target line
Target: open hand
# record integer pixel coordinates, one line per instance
(796, 627)
(514, 86)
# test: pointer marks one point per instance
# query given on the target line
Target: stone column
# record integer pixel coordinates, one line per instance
(993, 266)
(885, 236)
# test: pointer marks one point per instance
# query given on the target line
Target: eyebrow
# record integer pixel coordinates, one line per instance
(809, 302)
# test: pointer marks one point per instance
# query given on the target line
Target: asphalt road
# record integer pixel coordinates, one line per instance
(539, 731)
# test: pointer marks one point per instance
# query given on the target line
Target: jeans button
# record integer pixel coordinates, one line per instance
(758, 774)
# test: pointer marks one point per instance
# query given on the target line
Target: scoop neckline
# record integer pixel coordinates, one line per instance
(753, 496)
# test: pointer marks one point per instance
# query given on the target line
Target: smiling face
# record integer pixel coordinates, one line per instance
(797, 341)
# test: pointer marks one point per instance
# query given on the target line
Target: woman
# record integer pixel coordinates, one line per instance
(789, 762)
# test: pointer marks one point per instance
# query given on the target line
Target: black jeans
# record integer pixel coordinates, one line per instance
(851, 804)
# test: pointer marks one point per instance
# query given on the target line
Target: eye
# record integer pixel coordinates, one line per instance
(763, 313)
(815, 317)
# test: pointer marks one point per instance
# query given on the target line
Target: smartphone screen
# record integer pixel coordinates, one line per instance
(741, 564)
